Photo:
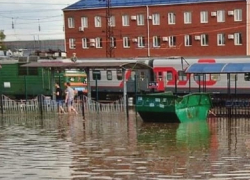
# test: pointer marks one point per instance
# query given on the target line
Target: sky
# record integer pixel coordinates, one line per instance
(33, 20)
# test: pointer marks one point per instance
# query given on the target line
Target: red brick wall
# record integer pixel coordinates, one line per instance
(164, 29)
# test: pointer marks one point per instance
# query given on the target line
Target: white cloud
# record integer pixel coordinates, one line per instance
(27, 15)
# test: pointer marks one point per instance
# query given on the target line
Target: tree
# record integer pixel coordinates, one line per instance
(2, 37)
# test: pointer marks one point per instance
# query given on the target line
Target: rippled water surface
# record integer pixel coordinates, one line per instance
(108, 146)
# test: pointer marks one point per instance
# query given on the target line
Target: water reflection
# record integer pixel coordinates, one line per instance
(107, 146)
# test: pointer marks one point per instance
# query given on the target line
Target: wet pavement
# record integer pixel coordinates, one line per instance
(108, 146)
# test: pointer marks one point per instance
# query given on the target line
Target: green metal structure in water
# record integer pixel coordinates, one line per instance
(166, 107)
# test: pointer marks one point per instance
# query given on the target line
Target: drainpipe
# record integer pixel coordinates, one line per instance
(148, 31)
(247, 19)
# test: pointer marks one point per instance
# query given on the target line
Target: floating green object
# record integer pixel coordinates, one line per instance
(166, 107)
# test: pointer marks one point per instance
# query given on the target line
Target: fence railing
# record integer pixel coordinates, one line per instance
(42, 104)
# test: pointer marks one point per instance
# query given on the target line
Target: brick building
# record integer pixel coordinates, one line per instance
(151, 28)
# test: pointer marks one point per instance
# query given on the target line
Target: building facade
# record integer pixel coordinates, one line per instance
(143, 28)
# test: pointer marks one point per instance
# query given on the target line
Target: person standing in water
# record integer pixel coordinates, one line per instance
(69, 98)
(59, 99)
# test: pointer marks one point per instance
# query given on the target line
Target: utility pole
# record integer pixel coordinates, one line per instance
(109, 31)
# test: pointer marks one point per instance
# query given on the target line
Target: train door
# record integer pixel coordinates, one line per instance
(142, 80)
(164, 78)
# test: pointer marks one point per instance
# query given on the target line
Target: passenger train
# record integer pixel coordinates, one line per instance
(169, 74)
(159, 75)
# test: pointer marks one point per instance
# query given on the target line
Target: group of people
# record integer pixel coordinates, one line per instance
(69, 98)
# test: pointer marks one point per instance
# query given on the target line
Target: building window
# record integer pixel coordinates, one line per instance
(238, 15)
(171, 18)
(204, 16)
(141, 41)
(140, 19)
(221, 39)
(172, 41)
(188, 40)
(156, 41)
(109, 75)
(98, 42)
(85, 43)
(237, 39)
(221, 16)
(112, 21)
(156, 19)
(98, 21)
(125, 20)
(204, 39)
(187, 17)
(71, 22)
(126, 42)
(84, 22)
(112, 42)
(72, 43)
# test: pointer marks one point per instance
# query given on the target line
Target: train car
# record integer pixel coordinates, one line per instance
(170, 76)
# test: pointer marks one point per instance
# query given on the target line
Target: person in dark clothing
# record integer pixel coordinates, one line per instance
(59, 98)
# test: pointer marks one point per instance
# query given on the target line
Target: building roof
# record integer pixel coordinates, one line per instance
(218, 68)
(95, 4)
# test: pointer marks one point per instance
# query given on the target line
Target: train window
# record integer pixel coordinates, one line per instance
(169, 76)
(159, 74)
(119, 74)
(247, 76)
(109, 75)
(182, 76)
(215, 77)
(198, 77)
(24, 71)
(96, 74)
(142, 75)
(233, 77)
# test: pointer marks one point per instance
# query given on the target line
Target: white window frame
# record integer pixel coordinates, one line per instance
(238, 15)
(140, 19)
(98, 42)
(172, 41)
(126, 42)
(221, 39)
(238, 38)
(171, 18)
(156, 19)
(112, 21)
(204, 16)
(141, 41)
(221, 16)
(71, 22)
(125, 20)
(85, 43)
(187, 17)
(113, 42)
(84, 21)
(204, 39)
(156, 41)
(72, 43)
(188, 40)
(98, 21)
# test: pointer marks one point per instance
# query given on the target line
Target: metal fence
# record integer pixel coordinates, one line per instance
(44, 104)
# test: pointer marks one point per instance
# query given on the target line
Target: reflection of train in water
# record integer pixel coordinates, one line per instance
(163, 74)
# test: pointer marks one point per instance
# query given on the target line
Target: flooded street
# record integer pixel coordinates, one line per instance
(107, 146)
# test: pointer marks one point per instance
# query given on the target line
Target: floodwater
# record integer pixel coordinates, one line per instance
(110, 147)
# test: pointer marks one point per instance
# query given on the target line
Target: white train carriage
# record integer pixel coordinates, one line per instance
(170, 75)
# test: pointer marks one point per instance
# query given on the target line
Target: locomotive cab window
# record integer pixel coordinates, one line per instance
(96, 74)
(132, 76)
(247, 76)
(109, 75)
(182, 76)
(119, 74)
(24, 71)
(142, 75)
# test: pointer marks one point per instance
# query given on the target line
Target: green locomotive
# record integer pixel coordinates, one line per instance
(19, 82)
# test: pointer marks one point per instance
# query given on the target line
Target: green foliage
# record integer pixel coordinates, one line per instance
(2, 37)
